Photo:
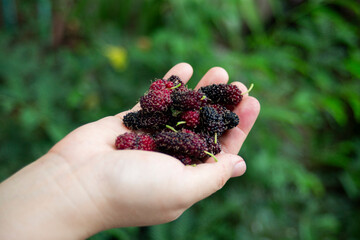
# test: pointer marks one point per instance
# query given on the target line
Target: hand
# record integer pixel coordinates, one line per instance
(83, 185)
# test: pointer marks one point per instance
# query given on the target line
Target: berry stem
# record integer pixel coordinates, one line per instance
(176, 86)
(250, 88)
(170, 127)
(175, 113)
(203, 97)
(215, 140)
(211, 155)
(181, 122)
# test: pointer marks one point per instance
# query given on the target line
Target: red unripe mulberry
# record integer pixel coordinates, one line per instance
(156, 101)
(161, 84)
(192, 118)
(135, 141)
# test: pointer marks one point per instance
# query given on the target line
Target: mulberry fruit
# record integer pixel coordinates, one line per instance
(186, 160)
(223, 93)
(231, 120)
(143, 120)
(132, 120)
(180, 86)
(187, 100)
(211, 122)
(135, 141)
(191, 118)
(161, 84)
(156, 101)
(213, 144)
(220, 109)
(184, 143)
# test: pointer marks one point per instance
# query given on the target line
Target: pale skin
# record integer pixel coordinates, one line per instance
(83, 185)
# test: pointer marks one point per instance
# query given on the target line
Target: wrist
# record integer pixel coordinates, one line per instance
(47, 200)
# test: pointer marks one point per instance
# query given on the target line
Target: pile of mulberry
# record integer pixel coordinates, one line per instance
(181, 122)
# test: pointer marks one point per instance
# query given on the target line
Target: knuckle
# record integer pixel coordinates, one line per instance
(173, 215)
(220, 183)
(182, 202)
(222, 178)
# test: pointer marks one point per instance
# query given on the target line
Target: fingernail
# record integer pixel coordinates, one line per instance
(239, 169)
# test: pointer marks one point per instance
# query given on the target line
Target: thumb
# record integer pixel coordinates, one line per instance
(205, 179)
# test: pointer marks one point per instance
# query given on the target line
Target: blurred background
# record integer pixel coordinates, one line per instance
(66, 63)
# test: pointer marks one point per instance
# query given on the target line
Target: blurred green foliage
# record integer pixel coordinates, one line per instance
(64, 64)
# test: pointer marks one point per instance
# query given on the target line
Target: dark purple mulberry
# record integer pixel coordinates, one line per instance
(213, 147)
(223, 93)
(181, 143)
(132, 120)
(144, 120)
(211, 122)
(176, 81)
(187, 100)
(220, 109)
(231, 120)
(186, 160)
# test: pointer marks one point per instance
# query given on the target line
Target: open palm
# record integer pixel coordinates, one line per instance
(133, 187)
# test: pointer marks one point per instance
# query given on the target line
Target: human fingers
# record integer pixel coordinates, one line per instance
(248, 111)
(204, 179)
(215, 75)
(183, 70)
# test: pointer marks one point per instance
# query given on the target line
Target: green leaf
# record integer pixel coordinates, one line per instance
(336, 108)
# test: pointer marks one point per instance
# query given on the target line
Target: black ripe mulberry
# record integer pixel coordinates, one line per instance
(223, 93)
(132, 120)
(144, 120)
(231, 120)
(211, 122)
